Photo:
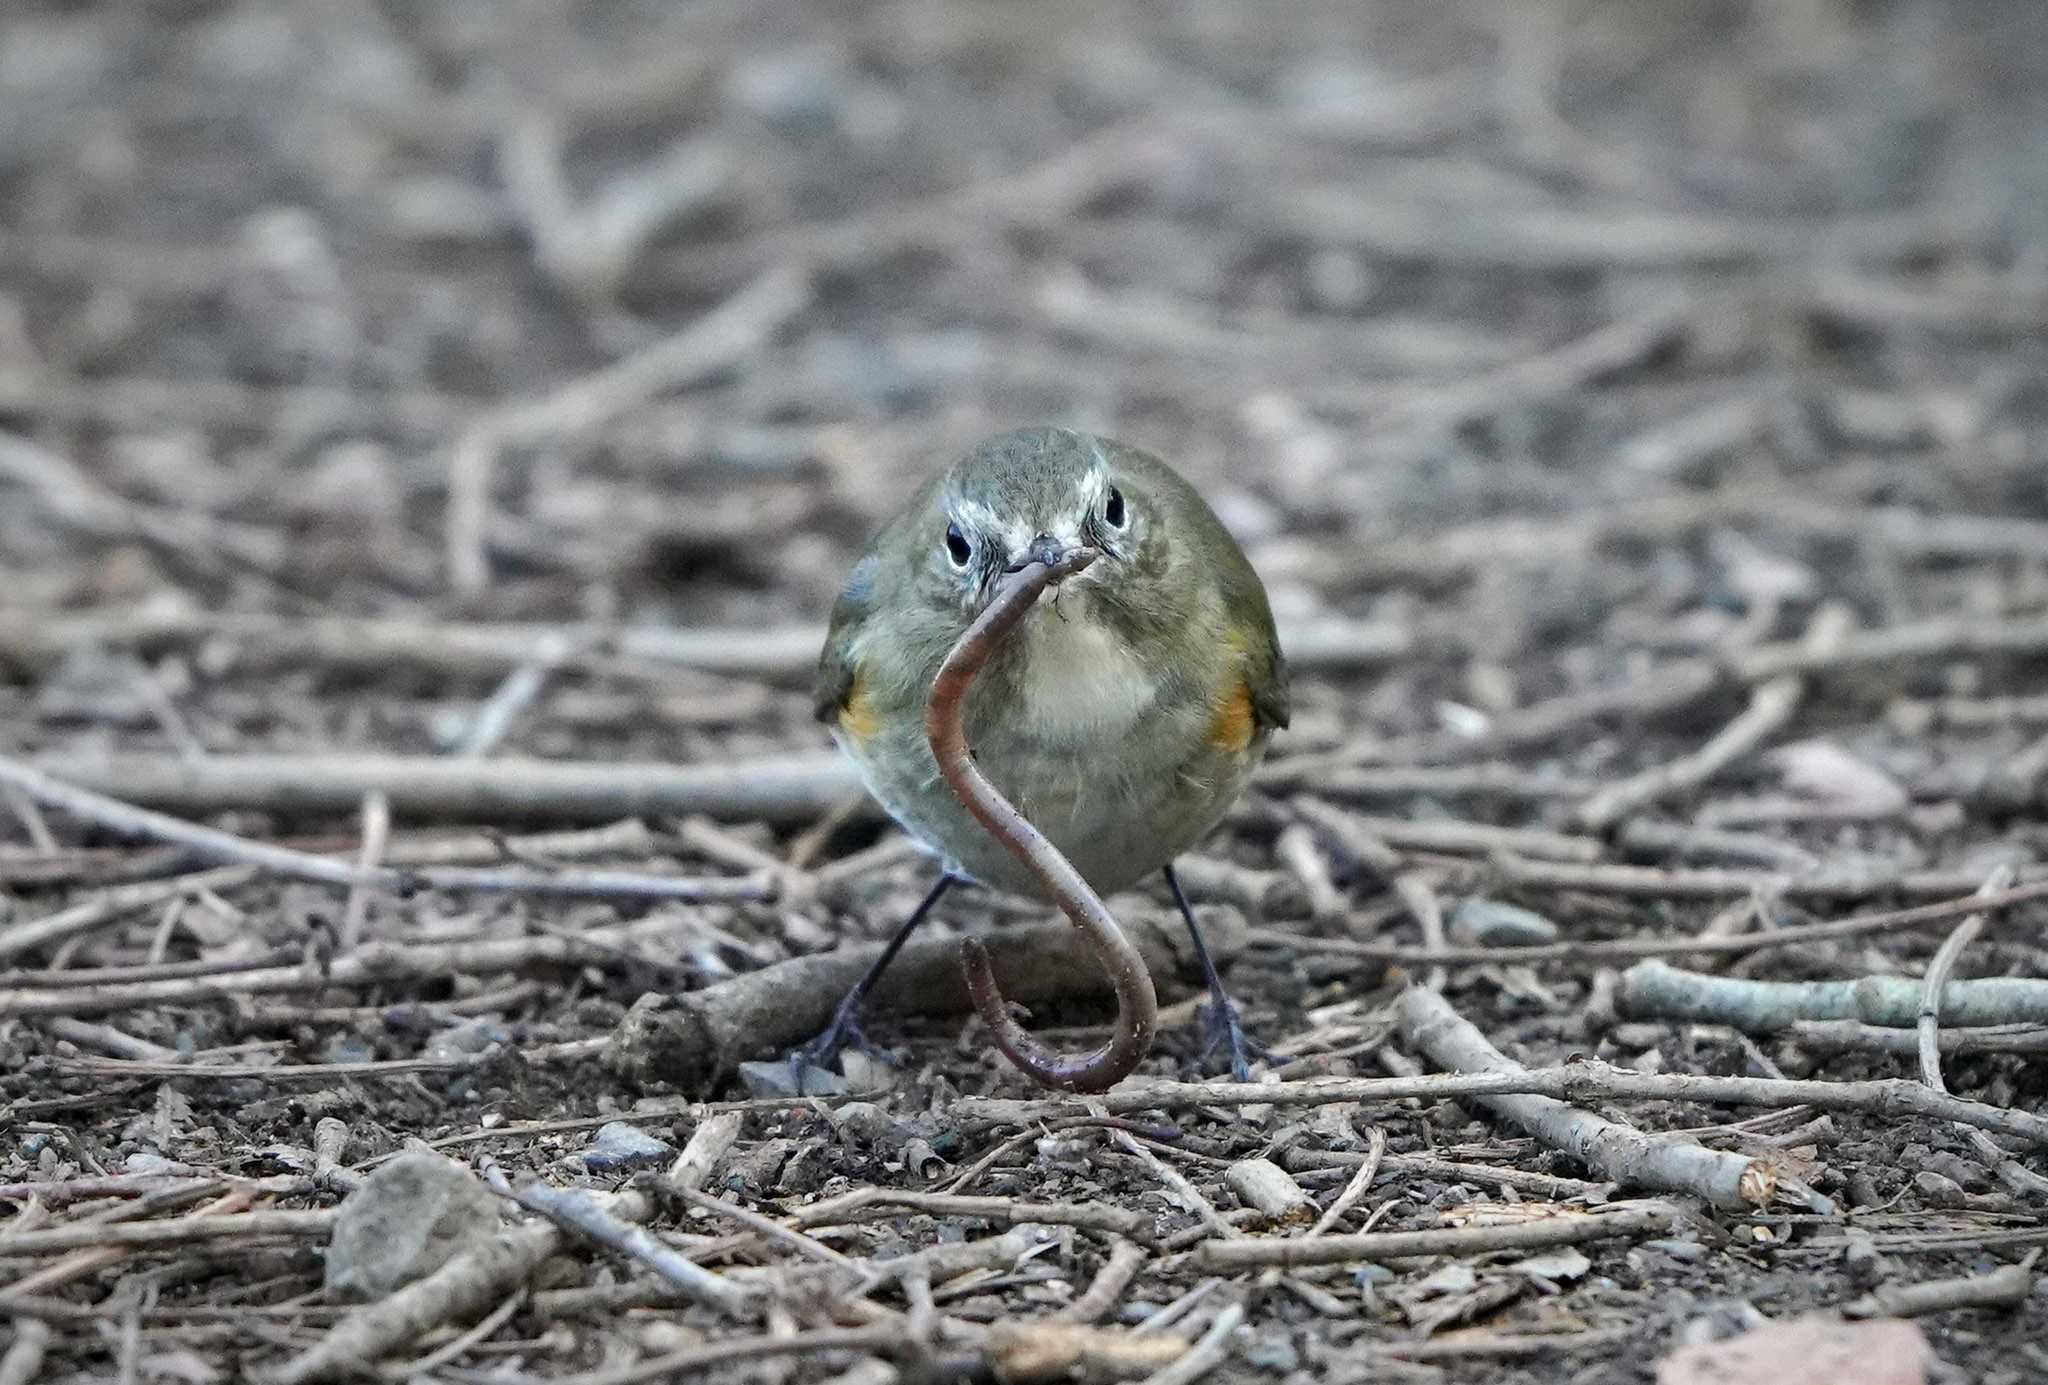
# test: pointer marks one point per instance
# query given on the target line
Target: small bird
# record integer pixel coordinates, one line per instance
(1121, 718)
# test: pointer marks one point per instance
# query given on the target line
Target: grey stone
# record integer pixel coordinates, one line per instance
(621, 1146)
(409, 1218)
(773, 1079)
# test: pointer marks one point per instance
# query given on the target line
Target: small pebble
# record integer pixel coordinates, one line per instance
(406, 1220)
(622, 1146)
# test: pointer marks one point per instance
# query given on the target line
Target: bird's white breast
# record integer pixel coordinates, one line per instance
(1083, 682)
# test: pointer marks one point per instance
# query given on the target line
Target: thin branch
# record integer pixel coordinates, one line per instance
(1621, 1219)
(780, 789)
(1623, 1155)
(213, 844)
(1578, 1082)
(574, 1209)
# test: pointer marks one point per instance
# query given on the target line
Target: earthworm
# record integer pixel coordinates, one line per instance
(1137, 1007)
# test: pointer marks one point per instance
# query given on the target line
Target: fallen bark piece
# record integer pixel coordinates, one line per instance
(1812, 1350)
(708, 1144)
(1628, 1157)
(409, 1218)
(692, 1040)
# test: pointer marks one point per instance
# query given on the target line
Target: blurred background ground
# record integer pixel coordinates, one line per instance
(1565, 341)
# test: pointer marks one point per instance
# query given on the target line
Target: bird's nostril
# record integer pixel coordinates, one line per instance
(1046, 549)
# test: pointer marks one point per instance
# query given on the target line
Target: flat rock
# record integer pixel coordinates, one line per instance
(618, 1145)
(409, 1217)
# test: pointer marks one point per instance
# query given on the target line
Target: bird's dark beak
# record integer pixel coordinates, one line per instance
(1044, 549)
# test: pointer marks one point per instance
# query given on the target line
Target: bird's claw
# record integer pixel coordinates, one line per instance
(1225, 1031)
(843, 1033)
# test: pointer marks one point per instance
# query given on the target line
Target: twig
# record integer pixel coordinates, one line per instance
(1452, 837)
(1547, 1185)
(1945, 638)
(857, 1205)
(107, 1039)
(493, 721)
(684, 1364)
(575, 1210)
(1189, 1195)
(110, 906)
(1576, 1082)
(463, 1341)
(781, 789)
(1663, 690)
(1126, 1258)
(1622, 1155)
(1890, 921)
(1621, 1219)
(1647, 837)
(764, 1226)
(736, 328)
(213, 844)
(1407, 223)
(780, 654)
(1656, 990)
(590, 249)
(448, 649)
(374, 961)
(1838, 1036)
(376, 839)
(693, 1038)
(569, 1051)
(94, 1258)
(1771, 705)
(1933, 992)
(1935, 982)
(1497, 1345)
(174, 1231)
(467, 1285)
(2008, 1286)
(1360, 1184)
(1206, 1354)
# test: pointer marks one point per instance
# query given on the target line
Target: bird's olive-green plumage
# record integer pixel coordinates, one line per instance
(1125, 713)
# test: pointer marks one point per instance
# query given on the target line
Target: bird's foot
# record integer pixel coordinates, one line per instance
(843, 1033)
(1226, 1031)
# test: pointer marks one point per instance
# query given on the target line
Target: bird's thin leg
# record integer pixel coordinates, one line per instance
(845, 1026)
(1224, 1028)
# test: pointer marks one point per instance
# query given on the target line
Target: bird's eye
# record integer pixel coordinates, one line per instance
(957, 546)
(1113, 509)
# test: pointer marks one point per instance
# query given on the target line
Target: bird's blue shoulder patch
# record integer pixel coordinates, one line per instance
(860, 583)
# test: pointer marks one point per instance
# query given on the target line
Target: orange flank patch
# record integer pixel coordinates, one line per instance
(1231, 727)
(858, 716)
